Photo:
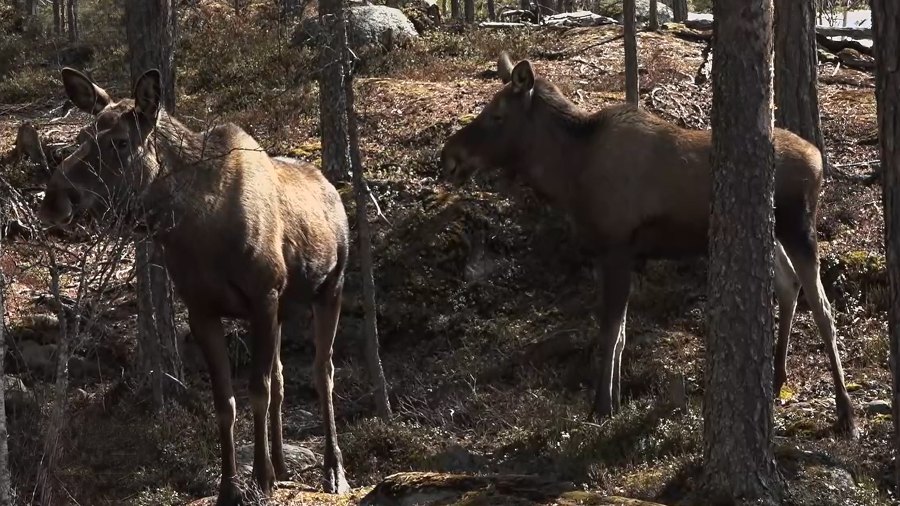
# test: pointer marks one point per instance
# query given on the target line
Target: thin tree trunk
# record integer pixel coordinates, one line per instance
(654, 16)
(72, 15)
(50, 457)
(57, 17)
(679, 11)
(367, 268)
(886, 38)
(796, 96)
(631, 63)
(332, 100)
(151, 31)
(5, 483)
(739, 462)
(454, 9)
(470, 11)
(491, 10)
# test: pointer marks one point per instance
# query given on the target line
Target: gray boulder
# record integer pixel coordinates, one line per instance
(367, 26)
(613, 9)
(294, 456)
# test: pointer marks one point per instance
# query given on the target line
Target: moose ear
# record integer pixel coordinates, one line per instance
(148, 93)
(504, 67)
(522, 77)
(86, 95)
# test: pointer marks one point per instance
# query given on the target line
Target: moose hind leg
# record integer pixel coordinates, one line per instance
(807, 268)
(787, 287)
(326, 313)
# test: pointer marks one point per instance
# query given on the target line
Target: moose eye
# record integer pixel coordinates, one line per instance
(120, 144)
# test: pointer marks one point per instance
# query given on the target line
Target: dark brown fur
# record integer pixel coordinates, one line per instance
(244, 236)
(639, 188)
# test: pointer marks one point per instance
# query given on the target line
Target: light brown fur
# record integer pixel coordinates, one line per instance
(639, 188)
(244, 236)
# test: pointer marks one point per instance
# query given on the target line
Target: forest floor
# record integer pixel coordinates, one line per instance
(469, 279)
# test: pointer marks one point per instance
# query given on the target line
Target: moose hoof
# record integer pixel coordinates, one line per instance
(264, 475)
(335, 482)
(229, 494)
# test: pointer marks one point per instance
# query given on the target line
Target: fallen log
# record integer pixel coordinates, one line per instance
(836, 45)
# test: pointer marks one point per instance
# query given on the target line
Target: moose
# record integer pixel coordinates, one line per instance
(638, 188)
(244, 235)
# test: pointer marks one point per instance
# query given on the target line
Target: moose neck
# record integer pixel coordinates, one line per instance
(174, 159)
(557, 147)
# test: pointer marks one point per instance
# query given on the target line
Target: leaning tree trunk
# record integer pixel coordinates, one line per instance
(679, 11)
(151, 30)
(5, 483)
(631, 62)
(470, 11)
(796, 96)
(653, 23)
(346, 149)
(886, 38)
(739, 461)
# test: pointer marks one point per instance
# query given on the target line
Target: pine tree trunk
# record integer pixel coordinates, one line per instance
(654, 16)
(57, 16)
(886, 38)
(679, 11)
(491, 10)
(72, 10)
(470, 11)
(631, 62)
(151, 31)
(366, 265)
(332, 101)
(454, 10)
(5, 483)
(796, 96)
(739, 463)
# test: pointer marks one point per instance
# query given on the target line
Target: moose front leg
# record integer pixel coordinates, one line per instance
(610, 342)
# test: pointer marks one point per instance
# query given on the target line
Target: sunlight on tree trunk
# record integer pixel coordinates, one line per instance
(796, 95)
(631, 62)
(739, 462)
(886, 38)
(346, 156)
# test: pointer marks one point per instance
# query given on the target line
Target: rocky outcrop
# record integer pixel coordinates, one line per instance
(367, 26)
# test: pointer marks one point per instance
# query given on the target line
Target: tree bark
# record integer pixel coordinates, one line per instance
(654, 16)
(366, 267)
(886, 38)
(57, 16)
(679, 11)
(796, 96)
(455, 9)
(332, 100)
(72, 15)
(5, 483)
(470, 11)
(631, 62)
(151, 31)
(491, 10)
(739, 463)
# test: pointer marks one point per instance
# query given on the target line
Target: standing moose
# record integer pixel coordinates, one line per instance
(639, 188)
(244, 236)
